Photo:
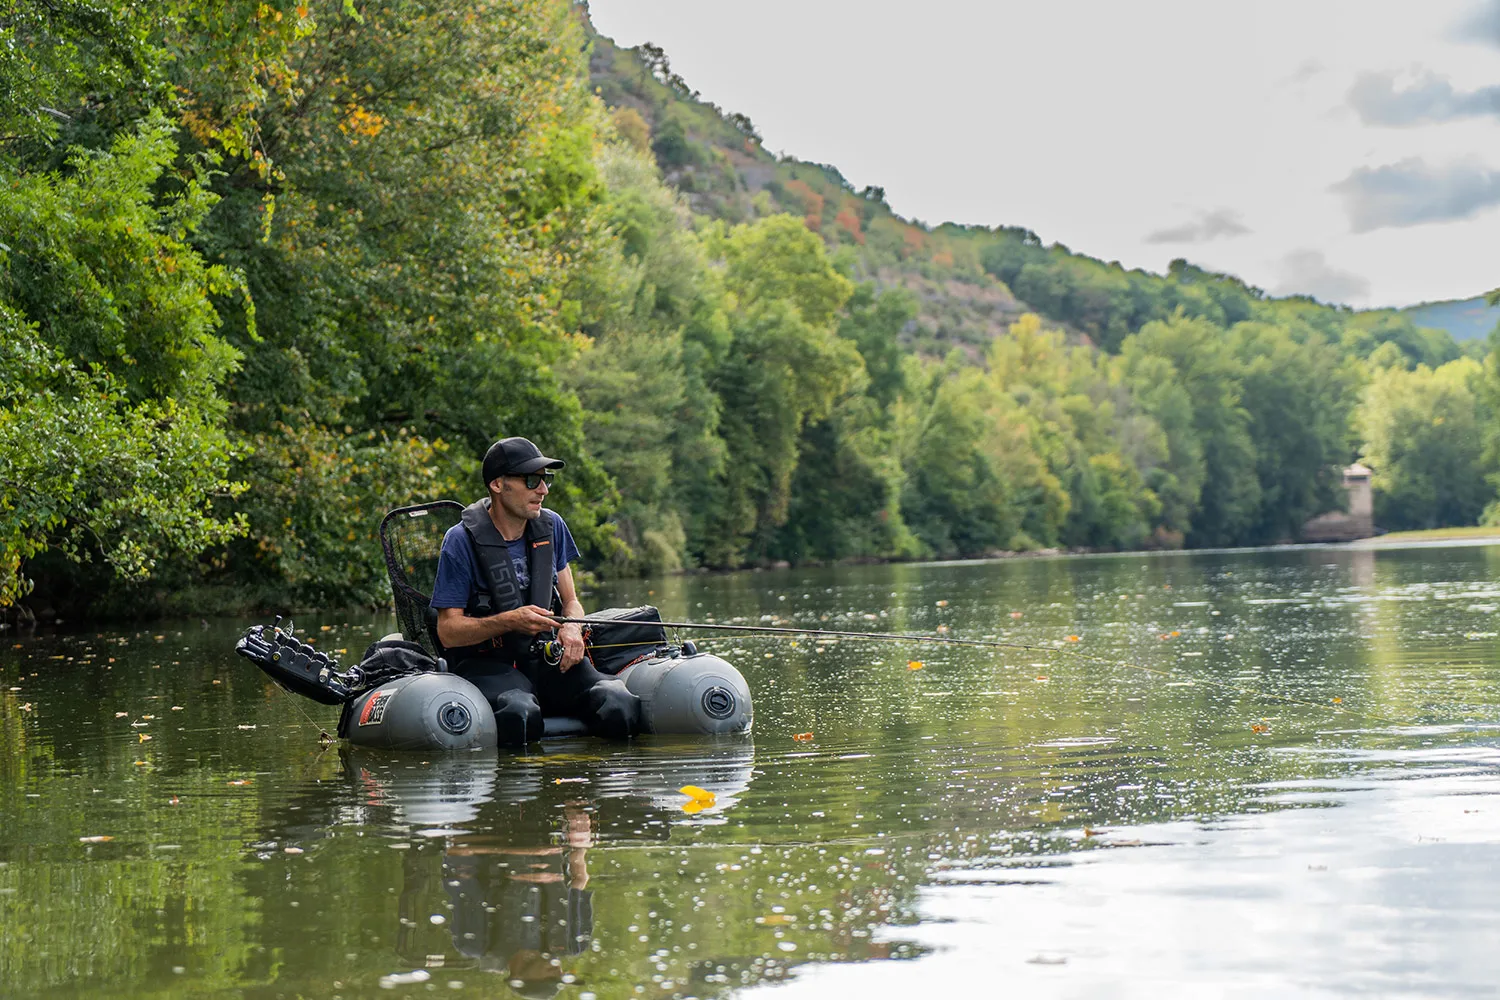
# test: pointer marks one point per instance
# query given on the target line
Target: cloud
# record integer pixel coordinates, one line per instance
(1480, 24)
(1221, 223)
(1410, 193)
(1426, 99)
(1307, 272)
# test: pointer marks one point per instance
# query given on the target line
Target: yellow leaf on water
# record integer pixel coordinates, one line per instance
(942, 604)
(802, 737)
(94, 840)
(698, 798)
(915, 665)
(1073, 638)
(143, 737)
(1338, 701)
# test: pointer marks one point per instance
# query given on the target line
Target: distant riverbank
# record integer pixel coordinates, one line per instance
(1476, 535)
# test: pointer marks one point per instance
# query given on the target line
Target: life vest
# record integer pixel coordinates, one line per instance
(492, 553)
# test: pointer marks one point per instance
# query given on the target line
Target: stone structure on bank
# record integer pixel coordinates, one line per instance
(1345, 526)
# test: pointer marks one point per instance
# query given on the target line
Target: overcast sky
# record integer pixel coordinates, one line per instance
(1342, 148)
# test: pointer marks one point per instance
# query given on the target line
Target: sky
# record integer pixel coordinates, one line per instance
(1345, 149)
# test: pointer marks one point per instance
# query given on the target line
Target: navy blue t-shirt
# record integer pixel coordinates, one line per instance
(459, 575)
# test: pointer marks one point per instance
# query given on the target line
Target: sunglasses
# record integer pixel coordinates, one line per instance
(535, 479)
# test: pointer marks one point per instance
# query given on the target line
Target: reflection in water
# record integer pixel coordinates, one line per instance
(500, 882)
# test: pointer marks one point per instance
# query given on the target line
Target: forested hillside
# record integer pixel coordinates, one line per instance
(269, 269)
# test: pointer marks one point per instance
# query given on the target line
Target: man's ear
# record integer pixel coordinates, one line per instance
(496, 485)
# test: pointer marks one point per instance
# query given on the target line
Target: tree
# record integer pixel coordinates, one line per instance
(1423, 433)
(111, 424)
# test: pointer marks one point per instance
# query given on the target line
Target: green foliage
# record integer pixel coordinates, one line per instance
(318, 493)
(434, 211)
(1424, 433)
(1221, 455)
(111, 437)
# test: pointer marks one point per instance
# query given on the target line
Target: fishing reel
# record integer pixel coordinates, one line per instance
(548, 650)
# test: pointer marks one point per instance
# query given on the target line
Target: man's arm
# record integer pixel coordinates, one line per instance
(571, 635)
(454, 628)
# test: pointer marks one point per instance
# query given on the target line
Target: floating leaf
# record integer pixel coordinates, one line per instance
(698, 799)
(1017, 614)
(942, 604)
(121, 715)
(292, 850)
(1256, 727)
(142, 737)
(915, 665)
(95, 840)
(1073, 638)
(173, 801)
(802, 737)
(240, 781)
(774, 919)
(1338, 701)
(1042, 677)
(570, 781)
(176, 708)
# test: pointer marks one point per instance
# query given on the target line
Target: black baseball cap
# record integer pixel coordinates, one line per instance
(515, 456)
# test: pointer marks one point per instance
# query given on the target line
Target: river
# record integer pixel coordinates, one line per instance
(1264, 773)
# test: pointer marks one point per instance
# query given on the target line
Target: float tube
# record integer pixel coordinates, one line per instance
(412, 702)
(402, 697)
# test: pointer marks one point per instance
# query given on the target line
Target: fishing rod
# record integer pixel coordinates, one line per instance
(783, 630)
(1336, 708)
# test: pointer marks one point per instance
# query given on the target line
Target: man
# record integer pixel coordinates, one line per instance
(503, 572)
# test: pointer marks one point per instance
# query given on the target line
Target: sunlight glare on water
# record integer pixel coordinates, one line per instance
(1261, 773)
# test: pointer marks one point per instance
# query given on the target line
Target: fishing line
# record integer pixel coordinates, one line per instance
(789, 632)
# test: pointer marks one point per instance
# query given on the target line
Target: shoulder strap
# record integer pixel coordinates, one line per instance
(493, 556)
(541, 557)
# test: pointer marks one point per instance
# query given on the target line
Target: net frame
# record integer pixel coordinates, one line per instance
(411, 539)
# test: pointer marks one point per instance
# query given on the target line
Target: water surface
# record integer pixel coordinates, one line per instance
(1259, 773)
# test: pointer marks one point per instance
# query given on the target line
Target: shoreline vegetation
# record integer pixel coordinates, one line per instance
(270, 269)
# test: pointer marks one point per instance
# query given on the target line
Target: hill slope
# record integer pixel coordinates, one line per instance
(971, 282)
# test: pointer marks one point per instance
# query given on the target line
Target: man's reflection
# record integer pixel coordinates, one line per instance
(523, 909)
(515, 876)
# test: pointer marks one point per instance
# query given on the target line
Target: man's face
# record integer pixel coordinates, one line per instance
(519, 501)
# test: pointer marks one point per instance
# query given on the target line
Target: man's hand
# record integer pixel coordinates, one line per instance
(529, 620)
(573, 648)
